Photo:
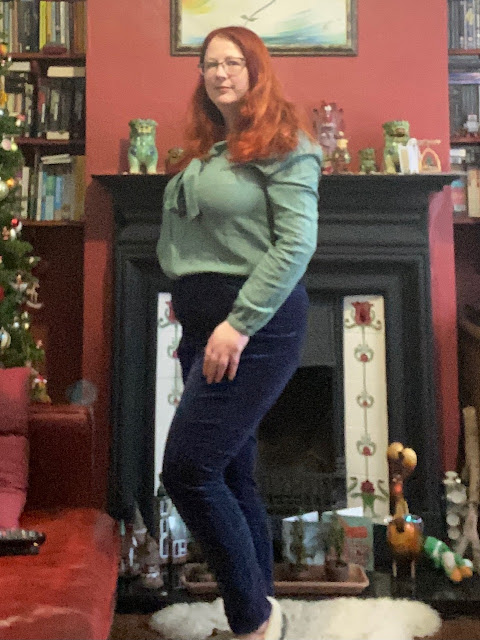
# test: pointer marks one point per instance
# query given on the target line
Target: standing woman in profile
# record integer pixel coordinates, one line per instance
(239, 228)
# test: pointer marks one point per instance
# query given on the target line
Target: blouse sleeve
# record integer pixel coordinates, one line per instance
(292, 196)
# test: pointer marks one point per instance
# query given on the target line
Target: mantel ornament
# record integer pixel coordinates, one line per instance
(142, 152)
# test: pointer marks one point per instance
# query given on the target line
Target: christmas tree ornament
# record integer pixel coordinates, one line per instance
(17, 225)
(10, 183)
(25, 318)
(5, 339)
(32, 295)
(4, 190)
(19, 284)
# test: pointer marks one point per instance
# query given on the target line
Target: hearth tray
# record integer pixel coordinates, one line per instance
(316, 584)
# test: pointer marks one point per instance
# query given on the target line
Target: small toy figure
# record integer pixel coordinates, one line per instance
(367, 160)
(456, 567)
(395, 132)
(142, 151)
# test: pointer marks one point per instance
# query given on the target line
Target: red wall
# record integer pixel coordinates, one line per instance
(400, 73)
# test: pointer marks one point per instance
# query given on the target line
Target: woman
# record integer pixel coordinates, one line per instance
(239, 228)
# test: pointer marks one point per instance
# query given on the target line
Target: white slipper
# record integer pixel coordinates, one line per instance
(276, 628)
(277, 623)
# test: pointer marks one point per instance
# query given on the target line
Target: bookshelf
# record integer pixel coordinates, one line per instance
(52, 37)
(464, 100)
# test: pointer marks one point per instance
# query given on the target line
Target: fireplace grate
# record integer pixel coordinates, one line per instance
(288, 492)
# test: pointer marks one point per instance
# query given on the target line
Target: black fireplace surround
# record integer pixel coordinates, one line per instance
(372, 239)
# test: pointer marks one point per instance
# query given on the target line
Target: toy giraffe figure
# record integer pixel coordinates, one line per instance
(404, 531)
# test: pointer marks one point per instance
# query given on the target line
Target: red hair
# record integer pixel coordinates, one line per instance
(268, 124)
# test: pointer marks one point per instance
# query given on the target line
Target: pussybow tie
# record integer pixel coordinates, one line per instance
(181, 193)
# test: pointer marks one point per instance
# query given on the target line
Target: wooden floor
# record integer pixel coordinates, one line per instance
(135, 627)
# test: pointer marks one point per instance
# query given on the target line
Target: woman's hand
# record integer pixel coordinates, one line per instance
(222, 353)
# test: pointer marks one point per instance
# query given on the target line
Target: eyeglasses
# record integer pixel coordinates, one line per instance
(232, 66)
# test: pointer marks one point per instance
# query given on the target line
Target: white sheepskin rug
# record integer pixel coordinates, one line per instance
(334, 619)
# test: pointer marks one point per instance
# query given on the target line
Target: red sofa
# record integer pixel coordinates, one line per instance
(67, 591)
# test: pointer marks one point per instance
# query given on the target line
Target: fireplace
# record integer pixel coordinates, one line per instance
(373, 238)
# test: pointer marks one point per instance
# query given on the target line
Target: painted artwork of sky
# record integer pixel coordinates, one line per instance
(278, 22)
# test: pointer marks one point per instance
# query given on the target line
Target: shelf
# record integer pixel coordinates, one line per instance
(465, 220)
(465, 140)
(38, 55)
(51, 223)
(464, 52)
(43, 142)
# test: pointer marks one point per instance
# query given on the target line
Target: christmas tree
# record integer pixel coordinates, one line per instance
(18, 285)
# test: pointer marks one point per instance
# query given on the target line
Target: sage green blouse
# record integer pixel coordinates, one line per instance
(256, 219)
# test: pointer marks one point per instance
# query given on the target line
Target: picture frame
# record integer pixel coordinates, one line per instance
(300, 28)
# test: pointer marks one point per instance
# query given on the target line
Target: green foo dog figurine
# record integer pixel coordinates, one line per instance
(142, 151)
(395, 132)
(367, 159)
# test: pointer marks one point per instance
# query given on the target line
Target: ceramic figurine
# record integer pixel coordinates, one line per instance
(341, 157)
(173, 156)
(395, 132)
(367, 160)
(327, 123)
(456, 504)
(142, 152)
(472, 125)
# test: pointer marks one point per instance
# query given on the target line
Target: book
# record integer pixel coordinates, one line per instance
(55, 71)
(464, 77)
(473, 192)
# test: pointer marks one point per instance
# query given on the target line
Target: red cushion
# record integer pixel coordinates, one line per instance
(13, 479)
(14, 399)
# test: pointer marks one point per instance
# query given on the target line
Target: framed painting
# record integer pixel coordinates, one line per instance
(287, 27)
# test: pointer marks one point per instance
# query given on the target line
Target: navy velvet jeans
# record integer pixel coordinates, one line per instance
(210, 455)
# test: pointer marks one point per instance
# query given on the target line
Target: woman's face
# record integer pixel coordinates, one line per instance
(224, 89)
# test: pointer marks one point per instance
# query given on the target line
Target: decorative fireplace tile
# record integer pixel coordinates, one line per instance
(365, 398)
(169, 385)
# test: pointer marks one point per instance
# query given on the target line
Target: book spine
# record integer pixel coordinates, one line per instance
(462, 10)
(42, 24)
(470, 25)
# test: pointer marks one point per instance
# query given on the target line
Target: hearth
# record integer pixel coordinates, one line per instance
(373, 238)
